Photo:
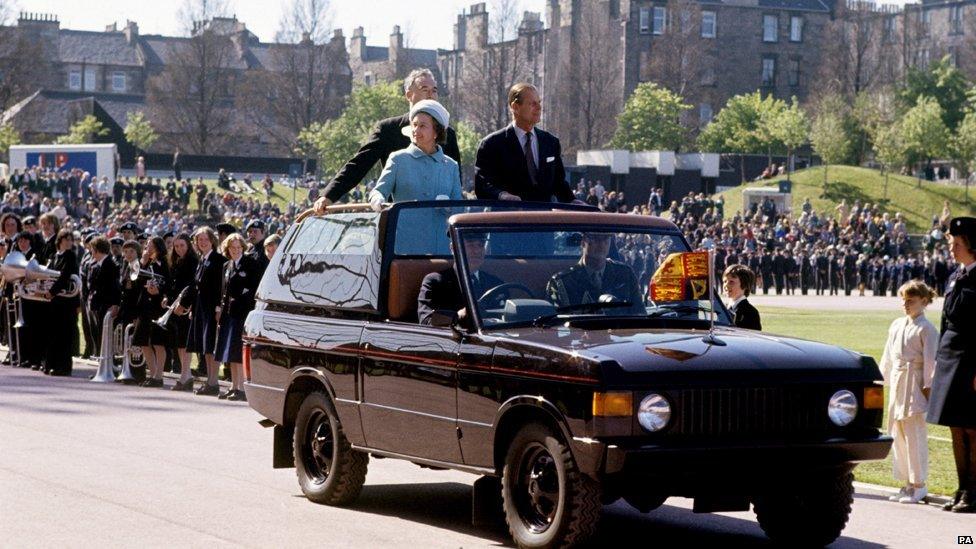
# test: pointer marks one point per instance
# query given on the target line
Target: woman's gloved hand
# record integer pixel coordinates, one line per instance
(376, 201)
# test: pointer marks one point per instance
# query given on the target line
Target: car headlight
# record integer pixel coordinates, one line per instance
(842, 407)
(654, 412)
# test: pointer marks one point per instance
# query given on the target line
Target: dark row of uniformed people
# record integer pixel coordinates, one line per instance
(215, 289)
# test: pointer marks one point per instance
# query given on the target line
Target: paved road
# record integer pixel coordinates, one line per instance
(84, 464)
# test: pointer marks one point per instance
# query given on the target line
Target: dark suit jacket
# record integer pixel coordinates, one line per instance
(104, 289)
(441, 293)
(953, 399)
(207, 282)
(500, 166)
(744, 315)
(239, 286)
(67, 264)
(385, 139)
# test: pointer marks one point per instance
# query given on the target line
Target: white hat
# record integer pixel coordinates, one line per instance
(431, 107)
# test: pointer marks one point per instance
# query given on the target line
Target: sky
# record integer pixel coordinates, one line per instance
(431, 27)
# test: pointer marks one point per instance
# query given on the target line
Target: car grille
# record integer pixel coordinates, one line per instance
(751, 411)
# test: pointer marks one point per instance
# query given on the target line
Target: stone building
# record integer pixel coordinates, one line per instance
(373, 64)
(107, 74)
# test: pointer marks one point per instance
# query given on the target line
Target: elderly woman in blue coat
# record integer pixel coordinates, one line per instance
(421, 172)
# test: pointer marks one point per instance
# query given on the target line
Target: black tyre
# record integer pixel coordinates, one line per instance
(548, 502)
(812, 515)
(329, 470)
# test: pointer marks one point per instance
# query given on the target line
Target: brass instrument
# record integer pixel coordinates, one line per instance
(163, 320)
(32, 281)
(106, 363)
(148, 274)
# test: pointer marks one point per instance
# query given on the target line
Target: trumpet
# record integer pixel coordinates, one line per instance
(163, 320)
(136, 274)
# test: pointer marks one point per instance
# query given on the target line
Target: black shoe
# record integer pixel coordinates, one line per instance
(237, 396)
(967, 503)
(207, 390)
(34, 367)
(953, 502)
(187, 387)
(225, 394)
(152, 383)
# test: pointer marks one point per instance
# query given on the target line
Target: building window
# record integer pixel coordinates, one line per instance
(708, 76)
(794, 72)
(770, 28)
(118, 81)
(926, 19)
(954, 56)
(368, 79)
(768, 72)
(660, 19)
(923, 58)
(704, 114)
(74, 80)
(614, 9)
(708, 24)
(645, 20)
(90, 79)
(888, 31)
(955, 19)
(796, 28)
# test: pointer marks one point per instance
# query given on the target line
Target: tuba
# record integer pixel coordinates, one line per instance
(106, 364)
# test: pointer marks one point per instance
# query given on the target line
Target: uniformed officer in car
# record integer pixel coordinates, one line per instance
(594, 276)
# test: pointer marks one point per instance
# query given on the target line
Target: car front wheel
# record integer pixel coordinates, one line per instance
(812, 514)
(548, 502)
(329, 470)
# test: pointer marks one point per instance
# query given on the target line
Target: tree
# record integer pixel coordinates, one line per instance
(791, 128)
(8, 137)
(333, 142)
(679, 54)
(829, 139)
(889, 150)
(305, 83)
(192, 94)
(962, 147)
(83, 131)
(468, 140)
(856, 49)
(651, 120)
(923, 131)
(744, 126)
(944, 83)
(139, 131)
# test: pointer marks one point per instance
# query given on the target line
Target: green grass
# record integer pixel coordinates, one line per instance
(280, 194)
(865, 332)
(917, 205)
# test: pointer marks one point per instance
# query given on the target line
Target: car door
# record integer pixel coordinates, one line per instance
(409, 402)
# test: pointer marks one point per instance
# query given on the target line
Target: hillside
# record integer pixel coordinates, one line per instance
(917, 205)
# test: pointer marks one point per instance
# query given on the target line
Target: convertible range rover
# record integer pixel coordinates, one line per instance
(557, 377)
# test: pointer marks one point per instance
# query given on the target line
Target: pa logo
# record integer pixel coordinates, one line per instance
(964, 540)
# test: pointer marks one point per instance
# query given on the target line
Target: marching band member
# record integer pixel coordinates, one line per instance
(30, 349)
(9, 227)
(131, 292)
(150, 337)
(241, 277)
(183, 267)
(104, 290)
(203, 299)
(63, 321)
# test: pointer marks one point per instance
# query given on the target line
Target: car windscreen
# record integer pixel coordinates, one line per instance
(420, 228)
(536, 275)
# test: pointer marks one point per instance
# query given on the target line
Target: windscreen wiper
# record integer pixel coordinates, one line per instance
(579, 307)
(678, 308)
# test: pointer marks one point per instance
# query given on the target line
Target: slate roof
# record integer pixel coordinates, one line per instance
(377, 53)
(100, 48)
(48, 110)
(161, 50)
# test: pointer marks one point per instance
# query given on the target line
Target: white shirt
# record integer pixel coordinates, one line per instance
(520, 133)
(734, 303)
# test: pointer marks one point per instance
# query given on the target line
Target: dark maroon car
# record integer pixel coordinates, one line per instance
(563, 397)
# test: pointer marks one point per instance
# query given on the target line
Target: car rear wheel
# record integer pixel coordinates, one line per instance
(329, 470)
(548, 502)
(812, 514)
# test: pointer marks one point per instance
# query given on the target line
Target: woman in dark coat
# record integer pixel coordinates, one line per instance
(150, 337)
(62, 325)
(952, 400)
(131, 290)
(183, 267)
(241, 276)
(203, 300)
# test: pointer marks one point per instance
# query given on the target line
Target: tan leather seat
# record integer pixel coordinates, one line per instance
(406, 276)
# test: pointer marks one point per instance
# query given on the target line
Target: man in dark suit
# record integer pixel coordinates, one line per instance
(440, 292)
(385, 139)
(596, 275)
(952, 396)
(738, 281)
(520, 161)
(104, 288)
(255, 236)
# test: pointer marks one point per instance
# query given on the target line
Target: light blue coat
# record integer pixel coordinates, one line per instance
(412, 174)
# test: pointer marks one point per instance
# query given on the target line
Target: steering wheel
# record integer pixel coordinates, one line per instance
(492, 293)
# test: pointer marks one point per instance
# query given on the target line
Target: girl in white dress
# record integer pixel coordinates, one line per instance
(907, 364)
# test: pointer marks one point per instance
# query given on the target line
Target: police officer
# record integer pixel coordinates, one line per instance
(952, 400)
